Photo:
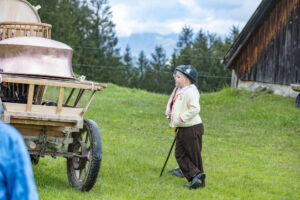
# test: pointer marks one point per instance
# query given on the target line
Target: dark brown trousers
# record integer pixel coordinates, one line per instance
(188, 150)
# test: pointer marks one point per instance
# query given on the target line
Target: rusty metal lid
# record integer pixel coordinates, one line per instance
(36, 56)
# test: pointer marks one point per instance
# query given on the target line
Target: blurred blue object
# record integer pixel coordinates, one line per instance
(16, 175)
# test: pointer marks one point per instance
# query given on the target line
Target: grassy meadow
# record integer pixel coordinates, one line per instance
(251, 149)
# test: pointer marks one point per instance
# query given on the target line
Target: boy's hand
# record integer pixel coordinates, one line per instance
(179, 119)
(168, 115)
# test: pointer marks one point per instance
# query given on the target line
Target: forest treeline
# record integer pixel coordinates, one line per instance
(88, 28)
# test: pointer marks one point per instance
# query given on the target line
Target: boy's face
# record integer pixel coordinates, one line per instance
(181, 80)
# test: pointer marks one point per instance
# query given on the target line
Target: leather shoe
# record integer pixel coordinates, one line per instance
(177, 172)
(195, 183)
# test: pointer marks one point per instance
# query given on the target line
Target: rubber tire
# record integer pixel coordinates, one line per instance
(95, 162)
(34, 159)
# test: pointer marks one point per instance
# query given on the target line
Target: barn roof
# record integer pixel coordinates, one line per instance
(247, 31)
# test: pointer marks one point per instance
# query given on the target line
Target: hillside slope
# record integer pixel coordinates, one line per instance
(251, 149)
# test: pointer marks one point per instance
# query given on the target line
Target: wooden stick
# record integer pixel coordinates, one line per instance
(29, 98)
(70, 96)
(88, 103)
(60, 100)
(167, 157)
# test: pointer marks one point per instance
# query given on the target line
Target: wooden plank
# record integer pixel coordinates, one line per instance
(27, 23)
(33, 132)
(3, 33)
(276, 44)
(281, 47)
(60, 100)
(31, 31)
(41, 127)
(42, 109)
(87, 85)
(289, 27)
(79, 98)
(293, 44)
(297, 50)
(40, 94)
(271, 67)
(258, 62)
(29, 98)
(41, 122)
(37, 127)
(88, 103)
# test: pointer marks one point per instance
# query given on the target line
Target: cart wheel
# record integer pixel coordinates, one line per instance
(83, 171)
(35, 159)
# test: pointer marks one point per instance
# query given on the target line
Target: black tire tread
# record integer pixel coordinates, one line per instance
(95, 163)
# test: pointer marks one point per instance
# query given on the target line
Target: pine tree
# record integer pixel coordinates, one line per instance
(142, 66)
(185, 38)
(128, 66)
(159, 71)
(105, 57)
(185, 45)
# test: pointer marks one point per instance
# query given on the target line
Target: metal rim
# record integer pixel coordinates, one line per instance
(81, 163)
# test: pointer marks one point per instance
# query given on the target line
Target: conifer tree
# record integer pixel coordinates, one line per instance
(130, 74)
(143, 67)
(159, 71)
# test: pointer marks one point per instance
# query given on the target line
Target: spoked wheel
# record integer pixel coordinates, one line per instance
(83, 168)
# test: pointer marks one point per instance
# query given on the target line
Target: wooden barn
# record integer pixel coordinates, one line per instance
(266, 54)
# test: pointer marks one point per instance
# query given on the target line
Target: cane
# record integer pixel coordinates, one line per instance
(168, 157)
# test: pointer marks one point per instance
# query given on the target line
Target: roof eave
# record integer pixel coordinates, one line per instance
(247, 31)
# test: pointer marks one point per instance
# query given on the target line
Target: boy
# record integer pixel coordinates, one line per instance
(177, 171)
(185, 117)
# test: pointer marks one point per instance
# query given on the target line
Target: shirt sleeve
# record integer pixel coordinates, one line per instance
(17, 167)
(169, 101)
(193, 107)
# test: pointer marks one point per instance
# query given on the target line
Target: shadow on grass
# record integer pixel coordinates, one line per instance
(51, 175)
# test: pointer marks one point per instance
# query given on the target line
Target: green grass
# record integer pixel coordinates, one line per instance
(251, 149)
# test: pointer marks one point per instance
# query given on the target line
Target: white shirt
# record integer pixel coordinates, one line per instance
(186, 106)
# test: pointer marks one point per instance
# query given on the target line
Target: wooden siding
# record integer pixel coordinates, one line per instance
(272, 53)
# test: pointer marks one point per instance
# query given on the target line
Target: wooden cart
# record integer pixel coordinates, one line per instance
(56, 127)
(52, 123)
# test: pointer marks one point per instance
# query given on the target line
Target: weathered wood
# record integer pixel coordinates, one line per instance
(35, 132)
(272, 49)
(78, 99)
(40, 94)
(41, 122)
(12, 29)
(60, 100)
(67, 83)
(297, 40)
(88, 103)
(43, 115)
(44, 110)
(30, 98)
(70, 96)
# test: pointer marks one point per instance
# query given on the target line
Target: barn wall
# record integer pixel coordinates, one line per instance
(272, 53)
